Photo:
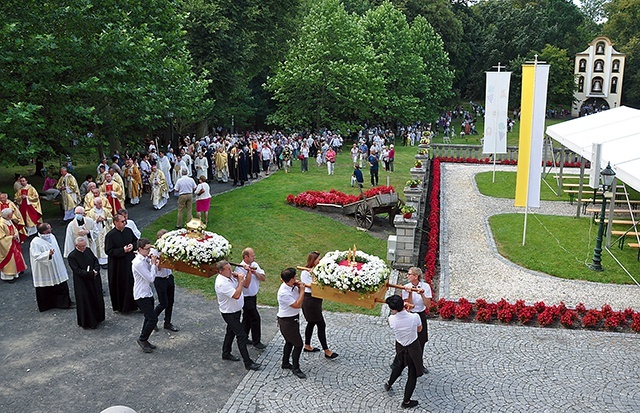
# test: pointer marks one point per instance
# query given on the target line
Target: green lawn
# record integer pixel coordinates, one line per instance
(560, 246)
(505, 186)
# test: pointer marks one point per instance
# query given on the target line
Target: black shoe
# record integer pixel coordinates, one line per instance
(409, 404)
(249, 342)
(260, 346)
(298, 373)
(230, 357)
(252, 366)
(171, 327)
(387, 386)
(152, 346)
(145, 346)
(156, 329)
(313, 350)
(332, 356)
(287, 366)
(72, 305)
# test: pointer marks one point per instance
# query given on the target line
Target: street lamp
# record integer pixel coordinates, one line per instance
(607, 175)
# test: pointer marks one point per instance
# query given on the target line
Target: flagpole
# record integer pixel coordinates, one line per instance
(495, 144)
(524, 230)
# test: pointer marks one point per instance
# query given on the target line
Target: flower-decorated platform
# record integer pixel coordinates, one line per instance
(193, 250)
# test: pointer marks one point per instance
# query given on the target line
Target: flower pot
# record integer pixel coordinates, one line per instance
(407, 215)
(413, 186)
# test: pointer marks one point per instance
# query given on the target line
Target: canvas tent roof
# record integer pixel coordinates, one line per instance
(618, 130)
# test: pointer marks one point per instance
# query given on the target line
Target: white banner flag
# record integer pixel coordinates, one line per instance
(496, 112)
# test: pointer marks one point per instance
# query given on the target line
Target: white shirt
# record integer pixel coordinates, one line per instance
(405, 326)
(418, 303)
(184, 185)
(305, 277)
(206, 194)
(143, 275)
(287, 296)
(254, 285)
(225, 289)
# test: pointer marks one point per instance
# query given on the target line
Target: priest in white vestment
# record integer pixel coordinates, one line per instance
(165, 166)
(48, 270)
(159, 188)
(103, 224)
(68, 187)
(80, 226)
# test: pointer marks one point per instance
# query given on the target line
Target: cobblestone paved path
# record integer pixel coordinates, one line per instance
(472, 368)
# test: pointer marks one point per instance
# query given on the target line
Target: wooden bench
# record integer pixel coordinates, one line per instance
(620, 222)
(622, 235)
(636, 246)
(596, 211)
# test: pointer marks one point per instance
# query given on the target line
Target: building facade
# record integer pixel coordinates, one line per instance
(598, 71)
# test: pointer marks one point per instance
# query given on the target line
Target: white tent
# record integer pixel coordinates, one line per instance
(618, 130)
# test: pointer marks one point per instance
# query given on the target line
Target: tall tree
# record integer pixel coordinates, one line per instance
(623, 28)
(236, 42)
(110, 69)
(330, 77)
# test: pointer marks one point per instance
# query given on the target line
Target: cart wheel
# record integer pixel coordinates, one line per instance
(364, 215)
(392, 216)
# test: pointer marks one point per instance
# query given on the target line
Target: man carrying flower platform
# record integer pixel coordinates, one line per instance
(230, 301)
(254, 276)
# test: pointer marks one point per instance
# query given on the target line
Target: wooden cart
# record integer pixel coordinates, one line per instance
(365, 209)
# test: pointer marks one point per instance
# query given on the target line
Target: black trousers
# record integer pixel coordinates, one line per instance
(251, 318)
(166, 289)
(150, 318)
(235, 329)
(290, 330)
(374, 176)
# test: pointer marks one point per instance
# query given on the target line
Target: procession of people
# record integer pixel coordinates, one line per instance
(100, 236)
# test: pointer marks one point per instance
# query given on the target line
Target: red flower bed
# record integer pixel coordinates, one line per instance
(549, 316)
(433, 222)
(312, 198)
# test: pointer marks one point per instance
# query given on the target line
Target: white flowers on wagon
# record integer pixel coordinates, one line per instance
(351, 270)
(181, 245)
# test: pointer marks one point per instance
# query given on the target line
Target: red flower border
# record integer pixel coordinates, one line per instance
(311, 199)
(538, 314)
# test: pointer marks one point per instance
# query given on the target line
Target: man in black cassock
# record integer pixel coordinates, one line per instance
(87, 285)
(120, 246)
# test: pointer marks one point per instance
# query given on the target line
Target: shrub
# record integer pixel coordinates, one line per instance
(539, 306)
(506, 312)
(568, 318)
(607, 311)
(547, 317)
(581, 309)
(447, 311)
(615, 320)
(591, 318)
(483, 314)
(635, 322)
(527, 314)
(463, 309)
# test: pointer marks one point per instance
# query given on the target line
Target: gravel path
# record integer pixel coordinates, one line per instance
(472, 267)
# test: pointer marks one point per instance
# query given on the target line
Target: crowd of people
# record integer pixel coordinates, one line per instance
(99, 235)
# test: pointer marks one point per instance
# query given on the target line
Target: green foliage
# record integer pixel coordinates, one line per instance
(561, 79)
(623, 28)
(330, 77)
(343, 69)
(105, 68)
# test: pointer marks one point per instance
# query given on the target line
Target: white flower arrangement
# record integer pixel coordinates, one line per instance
(368, 278)
(209, 248)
